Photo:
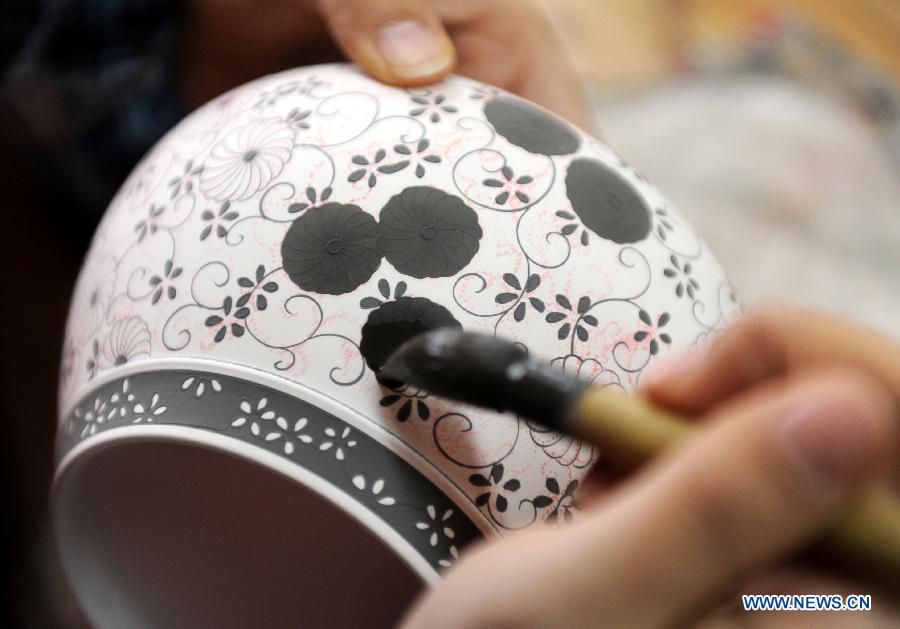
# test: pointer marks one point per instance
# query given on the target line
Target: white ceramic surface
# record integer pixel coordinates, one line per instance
(254, 269)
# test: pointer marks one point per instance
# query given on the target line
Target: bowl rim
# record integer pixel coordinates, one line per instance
(394, 528)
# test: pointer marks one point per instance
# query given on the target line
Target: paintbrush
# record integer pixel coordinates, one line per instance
(485, 371)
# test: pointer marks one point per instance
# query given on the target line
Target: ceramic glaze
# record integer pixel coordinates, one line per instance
(266, 256)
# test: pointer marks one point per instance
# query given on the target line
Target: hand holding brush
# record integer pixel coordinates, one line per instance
(800, 423)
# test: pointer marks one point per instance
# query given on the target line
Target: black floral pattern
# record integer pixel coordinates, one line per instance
(563, 501)
(664, 225)
(572, 319)
(530, 127)
(494, 487)
(150, 224)
(331, 249)
(653, 333)
(405, 404)
(421, 155)
(509, 185)
(681, 273)
(395, 322)
(298, 117)
(312, 198)
(425, 232)
(372, 168)
(217, 221)
(384, 288)
(222, 323)
(164, 284)
(261, 301)
(531, 284)
(606, 203)
(430, 107)
(234, 312)
(184, 181)
(571, 227)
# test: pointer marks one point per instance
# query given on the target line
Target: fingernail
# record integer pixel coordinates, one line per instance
(413, 49)
(682, 366)
(834, 437)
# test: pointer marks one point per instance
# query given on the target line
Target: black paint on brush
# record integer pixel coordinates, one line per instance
(483, 370)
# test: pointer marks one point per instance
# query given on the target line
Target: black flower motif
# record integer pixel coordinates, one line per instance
(431, 106)
(653, 332)
(682, 274)
(563, 502)
(531, 284)
(493, 487)
(421, 155)
(606, 203)
(298, 117)
(395, 322)
(217, 221)
(425, 232)
(313, 198)
(572, 319)
(530, 127)
(571, 227)
(164, 284)
(151, 223)
(509, 185)
(372, 168)
(406, 403)
(228, 320)
(664, 225)
(384, 287)
(184, 181)
(261, 300)
(93, 361)
(331, 249)
(236, 311)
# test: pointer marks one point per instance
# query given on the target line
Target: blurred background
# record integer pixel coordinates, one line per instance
(773, 124)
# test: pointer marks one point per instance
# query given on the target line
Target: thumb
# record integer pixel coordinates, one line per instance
(773, 468)
(400, 42)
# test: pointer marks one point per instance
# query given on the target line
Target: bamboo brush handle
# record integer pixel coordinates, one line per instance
(631, 432)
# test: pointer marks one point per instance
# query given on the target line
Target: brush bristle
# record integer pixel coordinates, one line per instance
(451, 363)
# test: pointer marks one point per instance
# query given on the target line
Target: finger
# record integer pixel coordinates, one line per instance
(510, 44)
(771, 471)
(765, 345)
(549, 79)
(400, 42)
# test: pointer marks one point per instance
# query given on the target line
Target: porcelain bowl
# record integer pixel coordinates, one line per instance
(226, 456)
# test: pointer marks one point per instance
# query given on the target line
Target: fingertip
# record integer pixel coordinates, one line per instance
(841, 430)
(410, 53)
(742, 356)
(670, 381)
(399, 42)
